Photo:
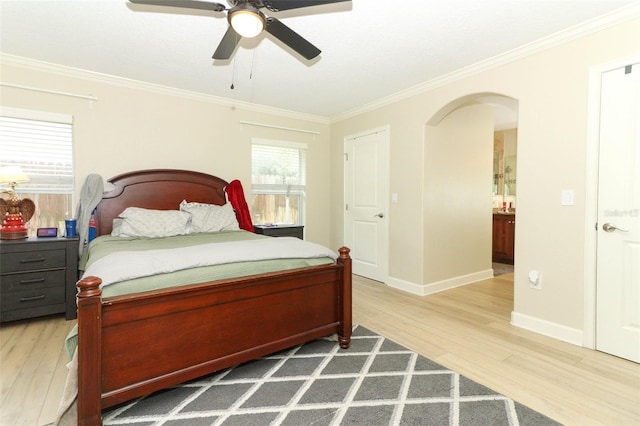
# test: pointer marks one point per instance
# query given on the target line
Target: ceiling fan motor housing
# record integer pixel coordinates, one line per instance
(246, 19)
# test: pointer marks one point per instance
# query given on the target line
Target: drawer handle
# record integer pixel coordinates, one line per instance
(35, 259)
(32, 281)
(32, 298)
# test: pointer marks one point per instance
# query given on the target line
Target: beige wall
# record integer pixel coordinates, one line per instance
(131, 128)
(457, 205)
(552, 89)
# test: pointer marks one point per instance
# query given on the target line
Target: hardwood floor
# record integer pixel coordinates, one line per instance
(466, 329)
(32, 370)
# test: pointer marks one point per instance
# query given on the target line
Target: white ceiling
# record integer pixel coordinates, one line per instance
(371, 49)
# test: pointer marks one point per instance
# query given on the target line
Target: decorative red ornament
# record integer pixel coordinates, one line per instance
(15, 213)
(13, 227)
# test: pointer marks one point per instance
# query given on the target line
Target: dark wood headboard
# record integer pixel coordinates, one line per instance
(159, 189)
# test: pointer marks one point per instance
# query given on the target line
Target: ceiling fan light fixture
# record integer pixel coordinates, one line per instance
(246, 20)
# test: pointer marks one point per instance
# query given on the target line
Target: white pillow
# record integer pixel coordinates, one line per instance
(139, 222)
(210, 217)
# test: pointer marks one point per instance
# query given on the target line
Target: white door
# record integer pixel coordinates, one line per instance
(365, 226)
(618, 228)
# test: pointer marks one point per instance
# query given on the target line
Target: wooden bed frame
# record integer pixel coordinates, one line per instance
(133, 345)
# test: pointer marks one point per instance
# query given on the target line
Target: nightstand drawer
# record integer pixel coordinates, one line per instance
(280, 230)
(33, 298)
(32, 280)
(32, 260)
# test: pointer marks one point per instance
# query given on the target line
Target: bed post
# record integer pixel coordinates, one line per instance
(345, 327)
(89, 351)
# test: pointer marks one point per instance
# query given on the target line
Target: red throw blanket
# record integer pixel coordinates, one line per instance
(235, 194)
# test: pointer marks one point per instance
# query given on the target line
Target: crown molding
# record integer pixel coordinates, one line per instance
(589, 27)
(65, 71)
(594, 25)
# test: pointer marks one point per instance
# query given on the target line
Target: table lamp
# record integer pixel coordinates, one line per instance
(15, 212)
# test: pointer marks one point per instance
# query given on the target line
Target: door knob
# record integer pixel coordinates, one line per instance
(610, 227)
(380, 215)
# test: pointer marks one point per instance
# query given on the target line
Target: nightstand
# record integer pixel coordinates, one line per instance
(280, 230)
(38, 277)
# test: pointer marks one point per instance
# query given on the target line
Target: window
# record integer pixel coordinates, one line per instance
(277, 181)
(41, 144)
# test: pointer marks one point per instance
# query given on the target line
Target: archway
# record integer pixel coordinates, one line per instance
(505, 109)
(458, 179)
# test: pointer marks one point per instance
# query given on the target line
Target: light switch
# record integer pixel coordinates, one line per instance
(567, 197)
(394, 197)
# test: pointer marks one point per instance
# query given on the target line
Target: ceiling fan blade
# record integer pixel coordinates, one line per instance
(291, 38)
(227, 45)
(276, 5)
(189, 4)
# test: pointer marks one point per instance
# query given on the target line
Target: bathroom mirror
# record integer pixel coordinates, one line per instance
(504, 162)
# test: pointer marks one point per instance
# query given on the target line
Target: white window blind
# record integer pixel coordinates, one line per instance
(42, 148)
(278, 174)
(277, 165)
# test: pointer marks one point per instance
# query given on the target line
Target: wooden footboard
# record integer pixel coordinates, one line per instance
(132, 345)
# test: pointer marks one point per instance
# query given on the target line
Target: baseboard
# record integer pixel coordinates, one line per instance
(438, 286)
(407, 286)
(547, 328)
(458, 281)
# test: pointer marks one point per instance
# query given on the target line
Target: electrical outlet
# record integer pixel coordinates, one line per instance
(535, 280)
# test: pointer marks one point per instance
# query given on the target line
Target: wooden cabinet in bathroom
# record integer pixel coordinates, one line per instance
(504, 227)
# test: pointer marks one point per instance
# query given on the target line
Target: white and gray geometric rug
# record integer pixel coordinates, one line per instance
(374, 382)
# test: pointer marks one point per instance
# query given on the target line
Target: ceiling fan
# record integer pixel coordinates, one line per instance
(246, 20)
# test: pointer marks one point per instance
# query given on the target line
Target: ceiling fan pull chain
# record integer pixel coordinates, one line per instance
(233, 74)
(253, 61)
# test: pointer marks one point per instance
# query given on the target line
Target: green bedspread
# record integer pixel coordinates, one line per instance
(106, 245)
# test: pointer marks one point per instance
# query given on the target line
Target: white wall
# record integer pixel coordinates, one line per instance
(551, 87)
(135, 126)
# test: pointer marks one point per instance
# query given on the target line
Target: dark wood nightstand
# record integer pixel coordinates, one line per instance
(39, 277)
(280, 230)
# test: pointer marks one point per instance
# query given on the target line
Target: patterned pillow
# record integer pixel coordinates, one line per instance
(209, 217)
(139, 222)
